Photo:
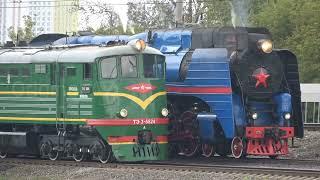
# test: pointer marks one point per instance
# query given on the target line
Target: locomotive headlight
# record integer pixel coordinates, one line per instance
(287, 116)
(164, 112)
(265, 45)
(139, 44)
(123, 113)
(254, 116)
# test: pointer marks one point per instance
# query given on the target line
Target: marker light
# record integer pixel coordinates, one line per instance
(164, 112)
(138, 44)
(287, 116)
(254, 116)
(123, 113)
(265, 45)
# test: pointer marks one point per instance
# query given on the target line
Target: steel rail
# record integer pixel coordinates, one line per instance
(293, 172)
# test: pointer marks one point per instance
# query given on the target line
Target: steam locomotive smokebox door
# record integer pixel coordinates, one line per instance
(206, 127)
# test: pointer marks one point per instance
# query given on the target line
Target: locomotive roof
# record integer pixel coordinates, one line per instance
(76, 54)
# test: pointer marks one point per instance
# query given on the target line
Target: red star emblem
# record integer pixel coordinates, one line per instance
(261, 78)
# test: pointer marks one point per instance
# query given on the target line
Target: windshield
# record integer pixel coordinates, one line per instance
(129, 66)
(153, 66)
(109, 68)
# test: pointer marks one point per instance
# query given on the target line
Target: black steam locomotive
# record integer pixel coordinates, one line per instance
(229, 90)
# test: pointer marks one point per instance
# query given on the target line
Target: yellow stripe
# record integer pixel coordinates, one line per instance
(143, 104)
(40, 119)
(27, 93)
(72, 93)
(127, 143)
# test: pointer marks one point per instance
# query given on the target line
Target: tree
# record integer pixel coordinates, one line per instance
(217, 13)
(22, 34)
(104, 30)
(194, 11)
(231, 12)
(150, 14)
(295, 25)
(110, 22)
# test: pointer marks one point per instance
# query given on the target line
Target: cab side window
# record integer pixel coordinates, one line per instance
(87, 71)
(109, 68)
(40, 68)
(3, 72)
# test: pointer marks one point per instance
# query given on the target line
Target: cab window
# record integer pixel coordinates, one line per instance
(3, 71)
(153, 66)
(87, 71)
(109, 68)
(129, 66)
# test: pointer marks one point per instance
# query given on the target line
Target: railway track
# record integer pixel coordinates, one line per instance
(291, 168)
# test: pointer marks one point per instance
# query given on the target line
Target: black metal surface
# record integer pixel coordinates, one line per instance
(292, 79)
(46, 39)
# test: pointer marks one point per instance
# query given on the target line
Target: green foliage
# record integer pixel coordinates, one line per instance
(306, 45)
(110, 23)
(153, 14)
(217, 13)
(22, 34)
(103, 30)
(295, 25)
(193, 11)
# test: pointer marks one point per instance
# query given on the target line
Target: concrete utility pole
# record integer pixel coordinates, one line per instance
(178, 12)
(189, 20)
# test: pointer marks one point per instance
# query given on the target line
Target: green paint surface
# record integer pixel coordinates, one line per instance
(140, 152)
(67, 75)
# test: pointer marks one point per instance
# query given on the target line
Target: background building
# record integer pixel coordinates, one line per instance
(42, 13)
(3, 26)
(50, 16)
(66, 16)
(11, 13)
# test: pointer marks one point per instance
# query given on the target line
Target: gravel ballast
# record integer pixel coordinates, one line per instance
(307, 148)
(78, 173)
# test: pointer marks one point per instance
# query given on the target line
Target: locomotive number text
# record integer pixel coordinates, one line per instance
(144, 121)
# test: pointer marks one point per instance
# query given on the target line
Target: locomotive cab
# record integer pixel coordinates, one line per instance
(130, 94)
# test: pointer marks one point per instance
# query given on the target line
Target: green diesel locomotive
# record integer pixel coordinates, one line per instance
(85, 102)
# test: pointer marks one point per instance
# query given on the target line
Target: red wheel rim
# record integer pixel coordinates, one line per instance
(207, 150)
(237, 147)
